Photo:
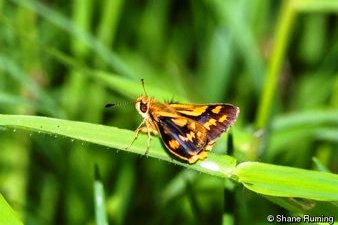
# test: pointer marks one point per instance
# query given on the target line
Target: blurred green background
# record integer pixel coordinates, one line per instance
(276, 60)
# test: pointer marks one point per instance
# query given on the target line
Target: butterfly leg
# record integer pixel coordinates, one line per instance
(139, 128)
(144, 129)
(149, 140)
(149, 129)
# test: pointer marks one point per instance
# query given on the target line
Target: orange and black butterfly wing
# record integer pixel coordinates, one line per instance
(185, 139)
(216, 118)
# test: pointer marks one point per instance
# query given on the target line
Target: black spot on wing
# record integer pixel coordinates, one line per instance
(170, 131)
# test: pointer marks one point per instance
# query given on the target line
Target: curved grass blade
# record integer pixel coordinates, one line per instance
(285, 181)
(88, 40)
(99, 199)
(7, 215)
(215, 164)
(131, 88)
(259, 177)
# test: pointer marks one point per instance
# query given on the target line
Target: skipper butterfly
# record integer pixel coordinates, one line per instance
(187, 130)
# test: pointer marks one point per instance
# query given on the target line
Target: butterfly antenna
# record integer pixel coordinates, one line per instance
(126, 103)
(109, 105)
(144, 90)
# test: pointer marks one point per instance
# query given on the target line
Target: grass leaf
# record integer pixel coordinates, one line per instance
(7, 215)
(285, 181)
(217, 165)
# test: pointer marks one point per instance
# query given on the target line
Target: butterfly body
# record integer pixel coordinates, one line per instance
(187, 130)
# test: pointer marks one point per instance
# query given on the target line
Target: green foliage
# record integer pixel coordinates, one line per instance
(62, 61)
(7, 215)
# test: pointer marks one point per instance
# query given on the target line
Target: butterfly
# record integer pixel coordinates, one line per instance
(187, 130)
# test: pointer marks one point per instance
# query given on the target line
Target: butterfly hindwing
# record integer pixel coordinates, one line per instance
(182, 136)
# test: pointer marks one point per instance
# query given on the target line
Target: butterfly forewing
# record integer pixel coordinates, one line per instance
(216, 118)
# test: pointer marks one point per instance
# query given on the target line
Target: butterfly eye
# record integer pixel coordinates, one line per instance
(143, 107)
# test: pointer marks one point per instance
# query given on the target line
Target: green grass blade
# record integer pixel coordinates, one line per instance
(305, 206)
(111, 12)
(283, 31)
(258, 177)
(19, 75)
(60, 21)
(131, 88)
(306, 119)
(215, 164)
(312, 6)
(119, 201)
(7, 215)
(285, 181)
(99, 199)
(126, 87)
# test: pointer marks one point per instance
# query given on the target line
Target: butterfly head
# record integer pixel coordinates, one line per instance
(142, 105)
(143, 102)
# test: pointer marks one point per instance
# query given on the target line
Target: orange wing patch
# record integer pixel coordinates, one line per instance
(180, 121)
(192, 125)
(190, 110)
(209, 123)
(174, 144)
(201, 155)
(222, 119)
(217, 109)
(189, 136)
